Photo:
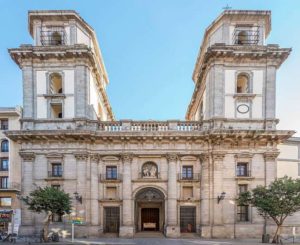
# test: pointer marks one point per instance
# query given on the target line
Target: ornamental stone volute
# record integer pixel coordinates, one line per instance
(81, 155)
(127, 157)
(218, 156)
(94, 157)
(271, 155)
(172, 157)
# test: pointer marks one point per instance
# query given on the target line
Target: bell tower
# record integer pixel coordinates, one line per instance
(235, 73)
(64, 77)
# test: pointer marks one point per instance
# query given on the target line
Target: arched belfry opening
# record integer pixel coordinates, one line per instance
(149, 209)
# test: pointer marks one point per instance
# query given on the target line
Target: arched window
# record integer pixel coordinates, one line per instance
(56, 83)
(56, 38)
(242, 83)
(243, 38)
(149, 170)
(4, 146)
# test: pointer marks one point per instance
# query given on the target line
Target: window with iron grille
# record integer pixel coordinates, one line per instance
(4, 124)
(243, 188)
(246, 35)
(57, 187)
(4, 182)
(243, 213)
(4, 146)
(187, 172)
(4, 164)
(242, 169)
(53, 36)
(56, 169)
(111, 172)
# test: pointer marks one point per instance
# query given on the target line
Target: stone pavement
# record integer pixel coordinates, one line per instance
(157, 241)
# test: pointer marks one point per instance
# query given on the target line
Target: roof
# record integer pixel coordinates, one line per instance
(11, 111)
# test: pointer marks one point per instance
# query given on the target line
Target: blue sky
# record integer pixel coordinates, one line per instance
(149, 49)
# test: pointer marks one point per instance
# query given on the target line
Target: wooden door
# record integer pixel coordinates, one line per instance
(150, 219)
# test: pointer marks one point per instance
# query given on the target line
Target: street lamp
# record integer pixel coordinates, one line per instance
(221, 197)
(78, 197)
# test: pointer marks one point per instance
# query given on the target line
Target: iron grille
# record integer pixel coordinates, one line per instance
(246, 36)
(53, 36)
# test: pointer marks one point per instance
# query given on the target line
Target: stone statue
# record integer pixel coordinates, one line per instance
(153, 171)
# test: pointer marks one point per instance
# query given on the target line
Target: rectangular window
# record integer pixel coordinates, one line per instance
(187, 192)
(56, 186)
(243, 213)
(4, 124)
(3, 164)
(56, 169)
(111, 172)
(5, 201)
(3, 182)
(111, 193)
(243, 188)
(56, 111)
(187, 172)
(242, 169)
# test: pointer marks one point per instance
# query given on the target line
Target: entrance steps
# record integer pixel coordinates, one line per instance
(189, 235)
(149, 234)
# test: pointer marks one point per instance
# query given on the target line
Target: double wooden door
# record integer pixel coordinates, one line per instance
(150, 219)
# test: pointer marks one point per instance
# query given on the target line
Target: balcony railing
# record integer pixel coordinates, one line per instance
(150, 126)
(55, 174)
(243, 174)
(105, 177)
(189, 177)
(243, 36)
(10, 186)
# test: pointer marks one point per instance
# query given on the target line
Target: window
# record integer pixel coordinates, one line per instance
(56, 110)
(242, 84)
(56, 170)
(3, 182)
(243, 188)
(3, 164)
(242, 169)
(111, 193)
(55, 83)
(187, 172)
(57, 187)
(111, 172)
(4, 146)
(243, 213)
(187, 192)
(4, 124)
(5, 202)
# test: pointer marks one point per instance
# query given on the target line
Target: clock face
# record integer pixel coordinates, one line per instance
(243, 108)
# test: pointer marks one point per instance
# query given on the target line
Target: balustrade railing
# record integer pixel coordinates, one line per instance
(189, 177)
(150, 126)
(107, 177)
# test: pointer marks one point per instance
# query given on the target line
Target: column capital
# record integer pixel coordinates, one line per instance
(81, 155)
(204, 157)
(171, 157)
(94, 157)
(27, 156)
(218, 155)
(271, 155)
(127, 157)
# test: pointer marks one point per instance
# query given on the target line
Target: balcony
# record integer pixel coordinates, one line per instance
(246, 174)
(107, 178)
(189, 177)
(10, 186)
(55, 174)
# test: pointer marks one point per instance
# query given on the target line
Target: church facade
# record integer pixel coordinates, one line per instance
(130, 176)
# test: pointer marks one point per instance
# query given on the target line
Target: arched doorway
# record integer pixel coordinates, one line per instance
(149, 210)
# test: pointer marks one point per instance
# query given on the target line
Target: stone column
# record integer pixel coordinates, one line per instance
(270, 90)
(81, 91)
(80, 208)
(28, 92)
(127, 227)
(270, 166)
(94, 194)
(205, 196)
(217, 208)
(27, 218)
(173, 229)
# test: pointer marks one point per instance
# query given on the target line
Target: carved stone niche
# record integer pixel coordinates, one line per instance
(149, 170)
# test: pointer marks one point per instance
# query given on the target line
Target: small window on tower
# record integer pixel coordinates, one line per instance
(56, 83)
(56, 111)
(56, 38)
(242, 84)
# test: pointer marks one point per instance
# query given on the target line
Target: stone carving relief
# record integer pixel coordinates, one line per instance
(149, 170)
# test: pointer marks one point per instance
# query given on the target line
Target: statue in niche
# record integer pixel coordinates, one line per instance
(149, 170)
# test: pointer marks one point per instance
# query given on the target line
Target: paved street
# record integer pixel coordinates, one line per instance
(160, 241)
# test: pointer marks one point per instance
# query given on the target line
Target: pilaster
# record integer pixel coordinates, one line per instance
(270, 166)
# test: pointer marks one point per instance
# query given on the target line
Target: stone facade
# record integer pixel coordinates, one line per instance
(168, 176)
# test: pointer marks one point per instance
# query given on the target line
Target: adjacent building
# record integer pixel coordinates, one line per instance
(10, 169)
(130, 176)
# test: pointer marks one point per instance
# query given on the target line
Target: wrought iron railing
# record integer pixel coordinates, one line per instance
(187, 177)
(55, 174)
(243, 36)
(243, 173)
(114, 177)
(53, 36)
